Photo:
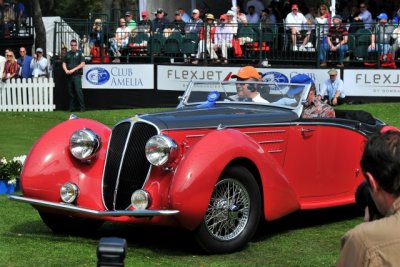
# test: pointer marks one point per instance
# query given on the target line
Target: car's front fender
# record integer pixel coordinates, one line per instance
(202, 165)
(50, 164)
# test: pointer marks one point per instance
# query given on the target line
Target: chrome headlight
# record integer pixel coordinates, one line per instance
(84, 144)
(69, 192)
(161, 150)
(140, 199)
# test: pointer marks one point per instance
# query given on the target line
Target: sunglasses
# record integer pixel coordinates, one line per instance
(9, 56)
(362, 6)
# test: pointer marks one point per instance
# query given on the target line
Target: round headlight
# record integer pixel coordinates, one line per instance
(161, 150)
(69, 192)
(84, 143)
(140, 199)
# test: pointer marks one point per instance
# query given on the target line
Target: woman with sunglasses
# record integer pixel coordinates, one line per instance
(11, 67)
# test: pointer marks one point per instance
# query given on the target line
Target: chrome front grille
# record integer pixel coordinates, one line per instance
(126, 166)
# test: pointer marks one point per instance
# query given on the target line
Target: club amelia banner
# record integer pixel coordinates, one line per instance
(118, 76)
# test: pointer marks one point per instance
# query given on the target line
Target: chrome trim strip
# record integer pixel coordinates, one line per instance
(266, 132)
(271, 142)
(275, 151)
(96, 213)
(194, 135)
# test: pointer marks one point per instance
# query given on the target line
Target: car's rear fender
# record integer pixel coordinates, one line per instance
(202, 165)
(50, 164)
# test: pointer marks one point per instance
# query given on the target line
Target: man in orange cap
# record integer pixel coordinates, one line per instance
(248, 91)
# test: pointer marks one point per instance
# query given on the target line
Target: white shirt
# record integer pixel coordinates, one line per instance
(124, 35)
(297, 21)
(330, 88)
(2, 63)
(39, 67)
(259, 99)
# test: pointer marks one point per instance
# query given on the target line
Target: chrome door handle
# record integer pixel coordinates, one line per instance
(306, 130)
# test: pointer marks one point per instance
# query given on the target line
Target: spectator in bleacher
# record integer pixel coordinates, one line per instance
(160, 22)
(11, 67)
(240, 16)
(258, 6)
(39, 64)
(364, 16)
(24, 62)
(396, 18)
(8, 19)
(252, 16)
(295, 22)
(195, 23)
(178, 25)
(185, 16)
(332, 91)
(354, 24)
(396, 42)
(232, 22)
(130, 22)
(144, 25)
(20, 14)
(96, 33)
(325, 14)
(323, 18)
(336, 42)
(120, 40)
(268, 16)
(380, 37)
(222, 39)
(206, 39)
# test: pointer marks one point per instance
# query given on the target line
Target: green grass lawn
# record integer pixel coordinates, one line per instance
(307, 238)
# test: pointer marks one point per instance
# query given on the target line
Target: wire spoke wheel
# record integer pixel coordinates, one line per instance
(233, 212)
(228, 210)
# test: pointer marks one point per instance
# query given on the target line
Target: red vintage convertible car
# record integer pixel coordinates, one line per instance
(215, 165)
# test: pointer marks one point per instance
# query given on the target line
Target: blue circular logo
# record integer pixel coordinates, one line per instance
(274, 76)
(97, 76)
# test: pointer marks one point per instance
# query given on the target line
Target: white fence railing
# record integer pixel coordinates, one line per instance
(27, 95)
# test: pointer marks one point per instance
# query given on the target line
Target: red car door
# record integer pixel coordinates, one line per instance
(322, 163)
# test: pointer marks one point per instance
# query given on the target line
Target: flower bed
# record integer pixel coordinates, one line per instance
(9, 173)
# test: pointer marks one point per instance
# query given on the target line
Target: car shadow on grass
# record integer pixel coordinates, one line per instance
(180, 242)
(307, 219)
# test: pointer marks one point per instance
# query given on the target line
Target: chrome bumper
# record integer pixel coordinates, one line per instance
(97, 213)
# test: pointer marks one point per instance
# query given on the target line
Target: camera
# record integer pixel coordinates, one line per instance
(364, 199)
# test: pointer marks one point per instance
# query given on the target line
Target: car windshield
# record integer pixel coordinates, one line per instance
(210, 94)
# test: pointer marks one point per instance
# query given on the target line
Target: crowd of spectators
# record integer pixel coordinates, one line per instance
(23, 66)
(216, 32)
(13, 17)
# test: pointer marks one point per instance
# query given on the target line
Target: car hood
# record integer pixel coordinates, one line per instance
(224, 116)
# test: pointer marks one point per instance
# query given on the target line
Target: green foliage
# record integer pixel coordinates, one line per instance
(11, 169)
(72, 8)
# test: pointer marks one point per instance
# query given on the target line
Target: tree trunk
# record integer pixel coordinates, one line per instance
(107, 7)
(40, 31)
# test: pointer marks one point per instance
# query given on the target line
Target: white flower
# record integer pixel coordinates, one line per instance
(3, 160)
(20, 159)
(12, 181)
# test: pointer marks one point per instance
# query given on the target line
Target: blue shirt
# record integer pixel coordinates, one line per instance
(25, 65)
(330, 88)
